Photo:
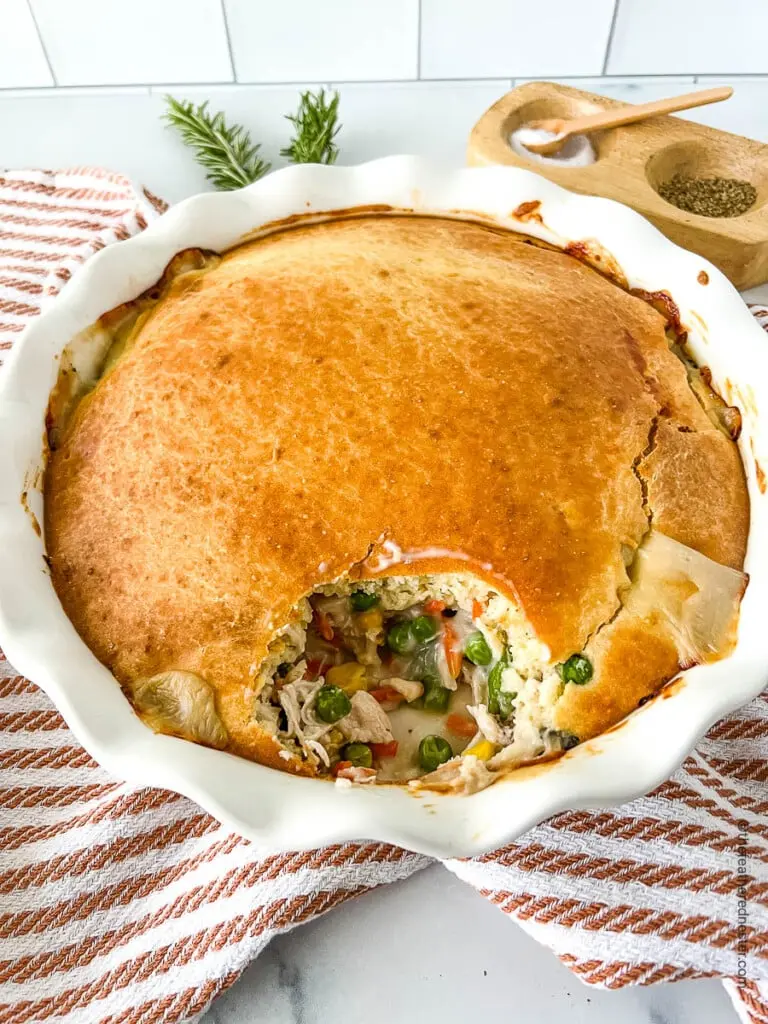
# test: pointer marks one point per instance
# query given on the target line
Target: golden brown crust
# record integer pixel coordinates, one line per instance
(697, 491)
(431, 383)
(632, 658)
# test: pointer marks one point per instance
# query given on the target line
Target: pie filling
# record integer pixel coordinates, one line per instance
(440, 680)
(393, 678)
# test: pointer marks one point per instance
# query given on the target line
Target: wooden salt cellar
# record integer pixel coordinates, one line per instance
(632, 161)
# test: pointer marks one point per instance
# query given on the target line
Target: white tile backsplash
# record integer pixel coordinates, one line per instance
(513, 38)
(430, 118)
(661, 37)
(649, 48)
(632, 90)
(745, 113)
(68, 129)
(303, 40)
(125, 42)
(22, 60)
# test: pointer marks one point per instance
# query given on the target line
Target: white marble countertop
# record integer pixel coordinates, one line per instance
(431, 950)
(428, 949)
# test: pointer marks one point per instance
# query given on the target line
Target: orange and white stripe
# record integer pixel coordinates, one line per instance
(120, 906)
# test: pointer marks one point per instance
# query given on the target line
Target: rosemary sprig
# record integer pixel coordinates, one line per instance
(316, 126)
(226, 151)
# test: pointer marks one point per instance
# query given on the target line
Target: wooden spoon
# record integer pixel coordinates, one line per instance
(565, 129)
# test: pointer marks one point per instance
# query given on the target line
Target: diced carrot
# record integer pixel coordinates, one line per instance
(341, 766)
(323, 625)
(316, 667)
(453, 654)
(384, 694)
(460, 725)
(478, 609)
(434, 607)
(385, 749)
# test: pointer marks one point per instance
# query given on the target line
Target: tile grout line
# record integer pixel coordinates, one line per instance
(235, 84)
(229, 39)
(43, 47)
(609, 41)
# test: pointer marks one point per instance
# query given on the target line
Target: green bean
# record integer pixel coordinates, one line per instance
(436, 696)
(477, 649)
(500, 702)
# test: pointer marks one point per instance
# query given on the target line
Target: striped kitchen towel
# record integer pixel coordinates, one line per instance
(126, 906)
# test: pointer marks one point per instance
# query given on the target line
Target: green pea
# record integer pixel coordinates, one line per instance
(400, 639)
(423, 629)
(362, 601)
(577, 669)
(434, 751)
(477, 649)
(360, 754)
(500, 702)
(332, 704)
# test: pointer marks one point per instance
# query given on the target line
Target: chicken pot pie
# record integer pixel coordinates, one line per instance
(394, 498)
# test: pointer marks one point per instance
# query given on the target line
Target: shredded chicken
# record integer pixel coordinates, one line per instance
(462, 775)
(366, 722)
(337, 609)
(298, 700)
(490, 726)
(297, 672)
(320, 750)
(367, 650)
(266, 714)
(409, 689)
(477, 679)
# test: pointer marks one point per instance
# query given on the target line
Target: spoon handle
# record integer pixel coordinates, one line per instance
(639, 112)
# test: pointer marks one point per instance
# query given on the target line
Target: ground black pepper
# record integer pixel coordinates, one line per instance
(709, 197)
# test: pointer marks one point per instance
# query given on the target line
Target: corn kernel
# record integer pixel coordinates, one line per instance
(348, 677)
(336, 737)
(371, 621)
(484, 750)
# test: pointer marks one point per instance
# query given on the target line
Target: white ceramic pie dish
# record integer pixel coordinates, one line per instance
(279, 811)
